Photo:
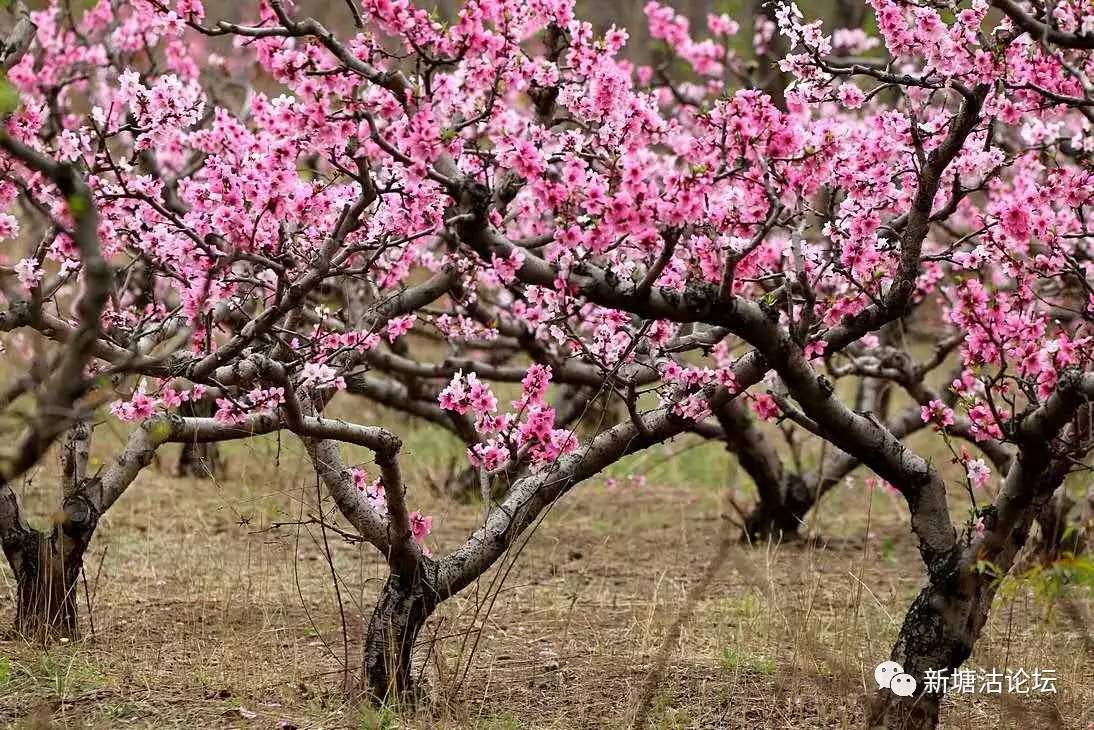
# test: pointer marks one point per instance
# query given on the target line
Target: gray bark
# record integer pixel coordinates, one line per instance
(400, 613)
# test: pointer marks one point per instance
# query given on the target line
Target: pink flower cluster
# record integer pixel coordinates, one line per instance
(141, 405)
(528, 431)
(321, 375)
(230, 410)
(373, 491)
(607, 172)
(938, 413)
(468, 393)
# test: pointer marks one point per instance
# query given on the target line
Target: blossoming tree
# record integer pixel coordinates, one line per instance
(54, 382)
(706, 252)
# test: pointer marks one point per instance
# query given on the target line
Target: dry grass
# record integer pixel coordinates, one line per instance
(628, 604)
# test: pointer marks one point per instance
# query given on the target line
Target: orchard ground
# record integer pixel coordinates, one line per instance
(633, 606)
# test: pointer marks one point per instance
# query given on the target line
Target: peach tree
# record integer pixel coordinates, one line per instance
(188, 194)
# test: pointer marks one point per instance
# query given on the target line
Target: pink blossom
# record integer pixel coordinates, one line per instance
(376, 496)
(489, 455)
(984, 425)
(9, 226)
(979, 528)
(420, 526)
(978, 473)
(764, 406)
(191, 7)
(938, 413)
(229, 411)
(507, 268)
(399, 326)
(137, 408)
(535, 383)
(373, 491)
(850, 96)
(815, 349)
(29, 273)
(320, 375)
(722, 24)
(465, 393)
(265, 399)
(171, 398)
(1015, 222)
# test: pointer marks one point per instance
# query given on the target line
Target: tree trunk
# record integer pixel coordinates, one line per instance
(1061, 532)
(198, 460)
(784, 496)
(946, 618)
(46, 605)
(400, 612)
(47, 567)
(778, 514)
(938, 633)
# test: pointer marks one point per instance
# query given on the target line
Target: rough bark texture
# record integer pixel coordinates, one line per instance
(47, 567)
(946, 618)
(400, 613)
(938, 633)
